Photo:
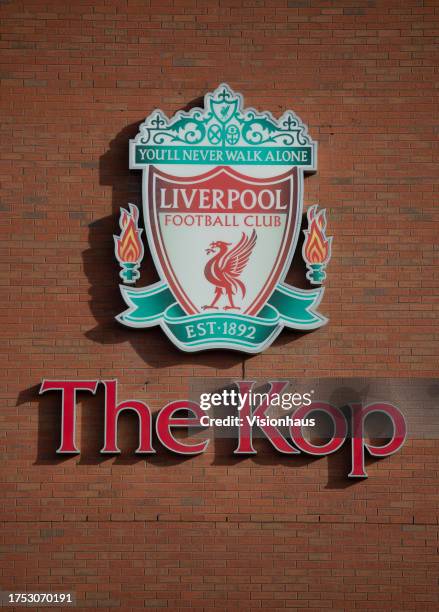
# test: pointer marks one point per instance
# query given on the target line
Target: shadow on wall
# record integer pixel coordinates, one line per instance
(103, 272)
(337, 465)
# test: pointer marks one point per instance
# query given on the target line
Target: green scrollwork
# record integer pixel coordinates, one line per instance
(223, 123)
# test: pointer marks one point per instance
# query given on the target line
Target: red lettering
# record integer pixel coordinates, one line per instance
(112, 411)
(340, 429)
(166, 420)
(359, 415)
(245, 445)
(68, 408)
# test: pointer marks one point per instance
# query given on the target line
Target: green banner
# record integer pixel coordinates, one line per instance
(287, 307)
(230, 156)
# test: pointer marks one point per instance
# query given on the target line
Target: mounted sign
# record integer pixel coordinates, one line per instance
(222, 204)
(186, 414)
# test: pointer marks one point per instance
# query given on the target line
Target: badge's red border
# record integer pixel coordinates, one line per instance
(283, 254)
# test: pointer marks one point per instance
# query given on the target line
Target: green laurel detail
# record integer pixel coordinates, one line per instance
(223, 123)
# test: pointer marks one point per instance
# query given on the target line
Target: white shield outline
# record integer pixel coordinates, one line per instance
(231, 106)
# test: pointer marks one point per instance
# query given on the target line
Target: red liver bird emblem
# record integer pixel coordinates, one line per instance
(226, 266)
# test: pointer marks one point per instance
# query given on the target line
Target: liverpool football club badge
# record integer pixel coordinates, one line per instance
(222, 209)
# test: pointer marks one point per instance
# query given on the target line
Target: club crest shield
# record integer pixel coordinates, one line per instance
(223, 109)
(222, 208)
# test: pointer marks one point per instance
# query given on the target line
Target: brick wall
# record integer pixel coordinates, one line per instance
(267, 532)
